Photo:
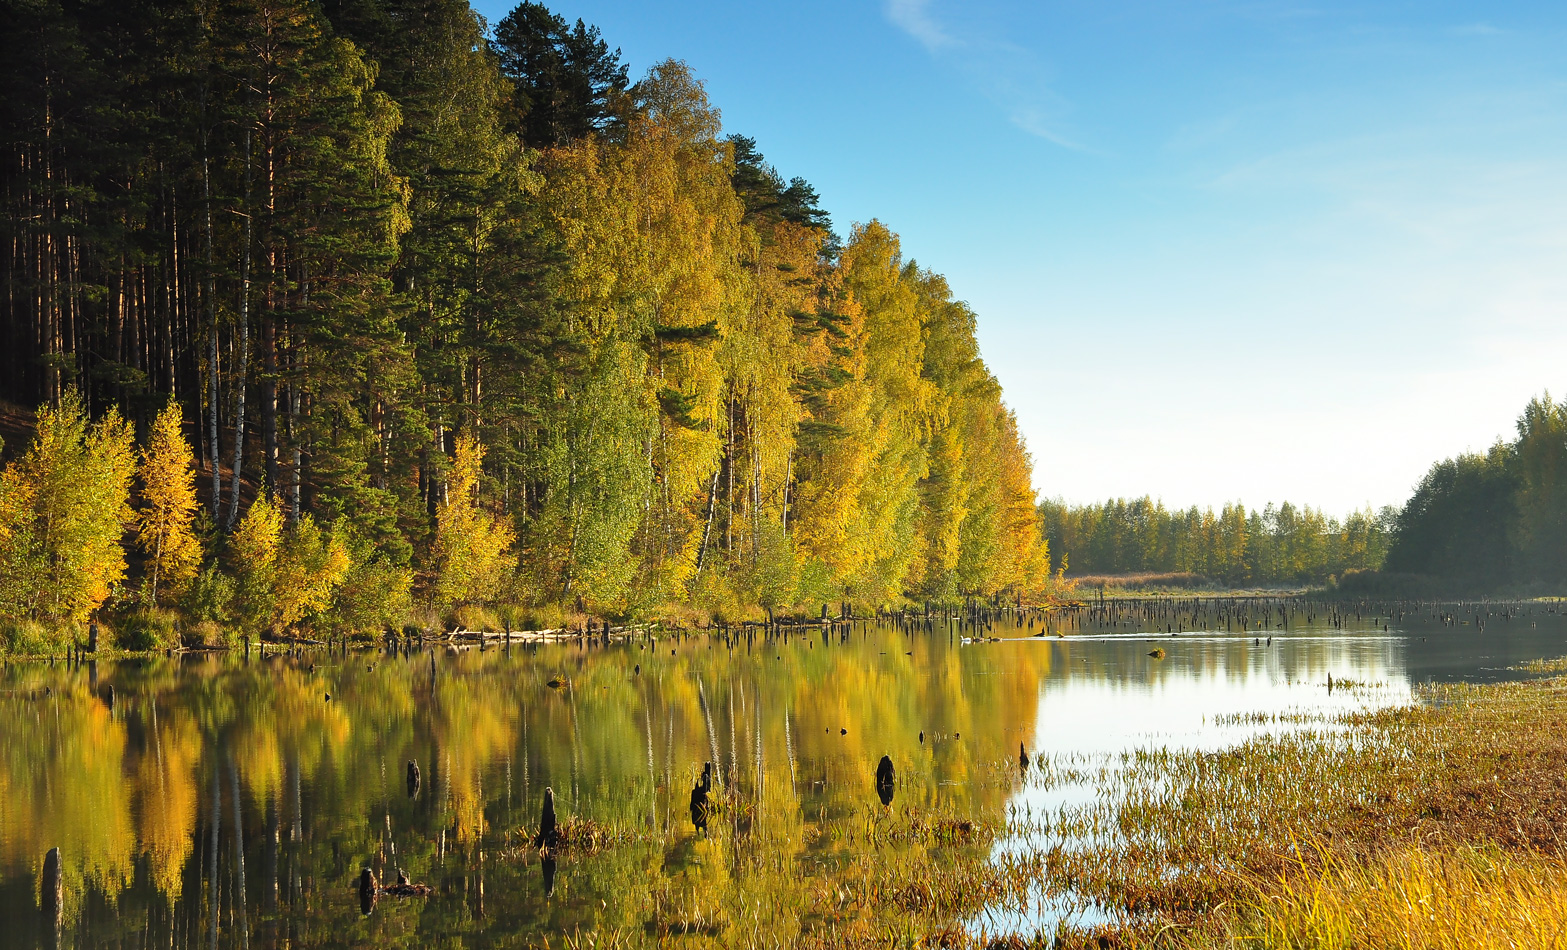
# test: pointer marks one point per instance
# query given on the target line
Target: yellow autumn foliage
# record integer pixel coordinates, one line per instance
(286, 574)
(64, 506)
(472, 546)
(168, 510)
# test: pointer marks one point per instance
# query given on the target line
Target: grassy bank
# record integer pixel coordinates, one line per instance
(1442, 824)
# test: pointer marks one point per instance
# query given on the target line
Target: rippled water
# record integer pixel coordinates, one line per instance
(213, 801)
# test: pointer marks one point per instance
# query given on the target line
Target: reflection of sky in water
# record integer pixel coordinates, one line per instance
(1105, 695)
(1122, 701)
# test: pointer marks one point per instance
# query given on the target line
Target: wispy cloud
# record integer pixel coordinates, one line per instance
(1477, 29)
(914, 18)
(1010, 76)
(1034, 123)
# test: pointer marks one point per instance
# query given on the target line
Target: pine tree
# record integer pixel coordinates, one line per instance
(568, 82)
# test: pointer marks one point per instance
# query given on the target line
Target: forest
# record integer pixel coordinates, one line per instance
(1492, 521)
(348, 314)
(1480, 523)
(1275, 546)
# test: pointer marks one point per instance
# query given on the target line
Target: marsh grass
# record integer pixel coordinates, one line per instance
(30, 638)
(1464, 898)
(1558, 665)
(1460, 794)
(579, 836)
(586, 836)
(147, 628)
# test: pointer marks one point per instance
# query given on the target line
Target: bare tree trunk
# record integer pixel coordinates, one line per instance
(214, 450)
(729, 468)
(293, 438)
(242, 366)
(707, 523)
(788, 484)
(269, 442)
(171, 321)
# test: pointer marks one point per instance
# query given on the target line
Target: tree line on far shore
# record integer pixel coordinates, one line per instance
(1478, 523)
(1493, 520)
(456, 319)
(1284, 545)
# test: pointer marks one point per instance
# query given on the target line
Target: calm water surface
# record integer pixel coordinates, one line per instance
(214, 802)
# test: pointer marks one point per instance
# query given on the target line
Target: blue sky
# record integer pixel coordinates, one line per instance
(1219, 250)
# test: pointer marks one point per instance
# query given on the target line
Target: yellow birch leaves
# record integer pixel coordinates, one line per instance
(168, 511)
(64, 506)
(286, 576)
(471, 545)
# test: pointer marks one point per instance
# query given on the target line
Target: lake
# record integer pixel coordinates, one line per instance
(214, 801)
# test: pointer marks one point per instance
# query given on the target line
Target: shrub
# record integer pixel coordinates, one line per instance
(287, 575)
(472, 617)
(472, 546)
(210, 597)
(375, 594)
(166, 519)
(205, 634)
(149, 628)
(30, 638)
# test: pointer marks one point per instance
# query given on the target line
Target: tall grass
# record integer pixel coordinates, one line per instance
(1412, 898)
(1451, 808)
(1146, 581)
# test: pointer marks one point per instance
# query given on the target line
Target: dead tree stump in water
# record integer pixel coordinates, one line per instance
(413, 779)
(699, 793)
(548, 835)
(886, 777)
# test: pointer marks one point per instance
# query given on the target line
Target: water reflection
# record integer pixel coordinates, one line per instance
(214, 801)
(547, 866)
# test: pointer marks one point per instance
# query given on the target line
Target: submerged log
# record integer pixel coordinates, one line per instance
(406, 888)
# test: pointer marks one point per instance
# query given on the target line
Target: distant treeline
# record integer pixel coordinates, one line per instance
(1496, 520)
(1272, 545)
(392, 268)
